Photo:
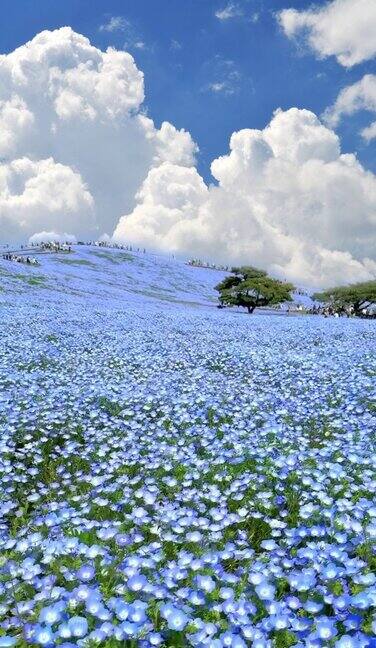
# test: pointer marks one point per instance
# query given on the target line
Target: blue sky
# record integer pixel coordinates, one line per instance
(204, 74)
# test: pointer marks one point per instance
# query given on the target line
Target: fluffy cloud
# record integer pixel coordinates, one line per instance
(369, 132)
(286, 199)
(44, 237)
(341, 28)
(16, 121)
(43, 193)
(358, 96)
(67, 107)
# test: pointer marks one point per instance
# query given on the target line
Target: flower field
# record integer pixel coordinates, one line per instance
(174, 475)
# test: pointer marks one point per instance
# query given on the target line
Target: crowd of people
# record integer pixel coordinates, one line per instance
(330, 311)
(52, 246)
(198, 263)
(20, 258)
(340, 311)
(113, 246)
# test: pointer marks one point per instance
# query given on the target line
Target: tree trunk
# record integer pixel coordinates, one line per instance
(250, 309)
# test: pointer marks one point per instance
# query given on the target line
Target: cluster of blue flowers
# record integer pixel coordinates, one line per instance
(185, 478)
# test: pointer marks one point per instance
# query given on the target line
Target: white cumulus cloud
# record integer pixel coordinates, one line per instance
(342, 28)
(68, 108)
(43, 193)
(286, 199)
(48, 237)
(16, 121)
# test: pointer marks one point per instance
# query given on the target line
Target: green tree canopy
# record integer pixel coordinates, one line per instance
(359, 296)
(250, 288)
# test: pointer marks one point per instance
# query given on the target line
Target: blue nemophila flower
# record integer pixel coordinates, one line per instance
(301, 624)
(64, 631)
(269, 545)
(330, 571)
(206, 583)
(129, 629)
(352, 622)
(43, 635)
(98, 636)
(86, 573)
(176, 619)
(226, 592)
(361, 601)
(78, 626)
(137, 613)
(122, 610)
(365, 579)
(196, 598)
(265, 591)
(137, 582)
(155, 639)
(293, 602)
(50, 615)
(341, 602)
(256, 578)
(325, 628)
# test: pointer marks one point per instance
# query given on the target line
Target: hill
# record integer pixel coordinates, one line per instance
(108, 274)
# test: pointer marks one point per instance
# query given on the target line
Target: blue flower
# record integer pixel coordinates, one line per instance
(129, 629)
(265, 591)
(325, 628)
(43, 635)
(50, 615)
(137, 582)
(205, 583)
(176, 619)
(78, 626)
(86, 573)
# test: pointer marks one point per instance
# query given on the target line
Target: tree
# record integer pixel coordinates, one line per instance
(357, 296)
(250, 288)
